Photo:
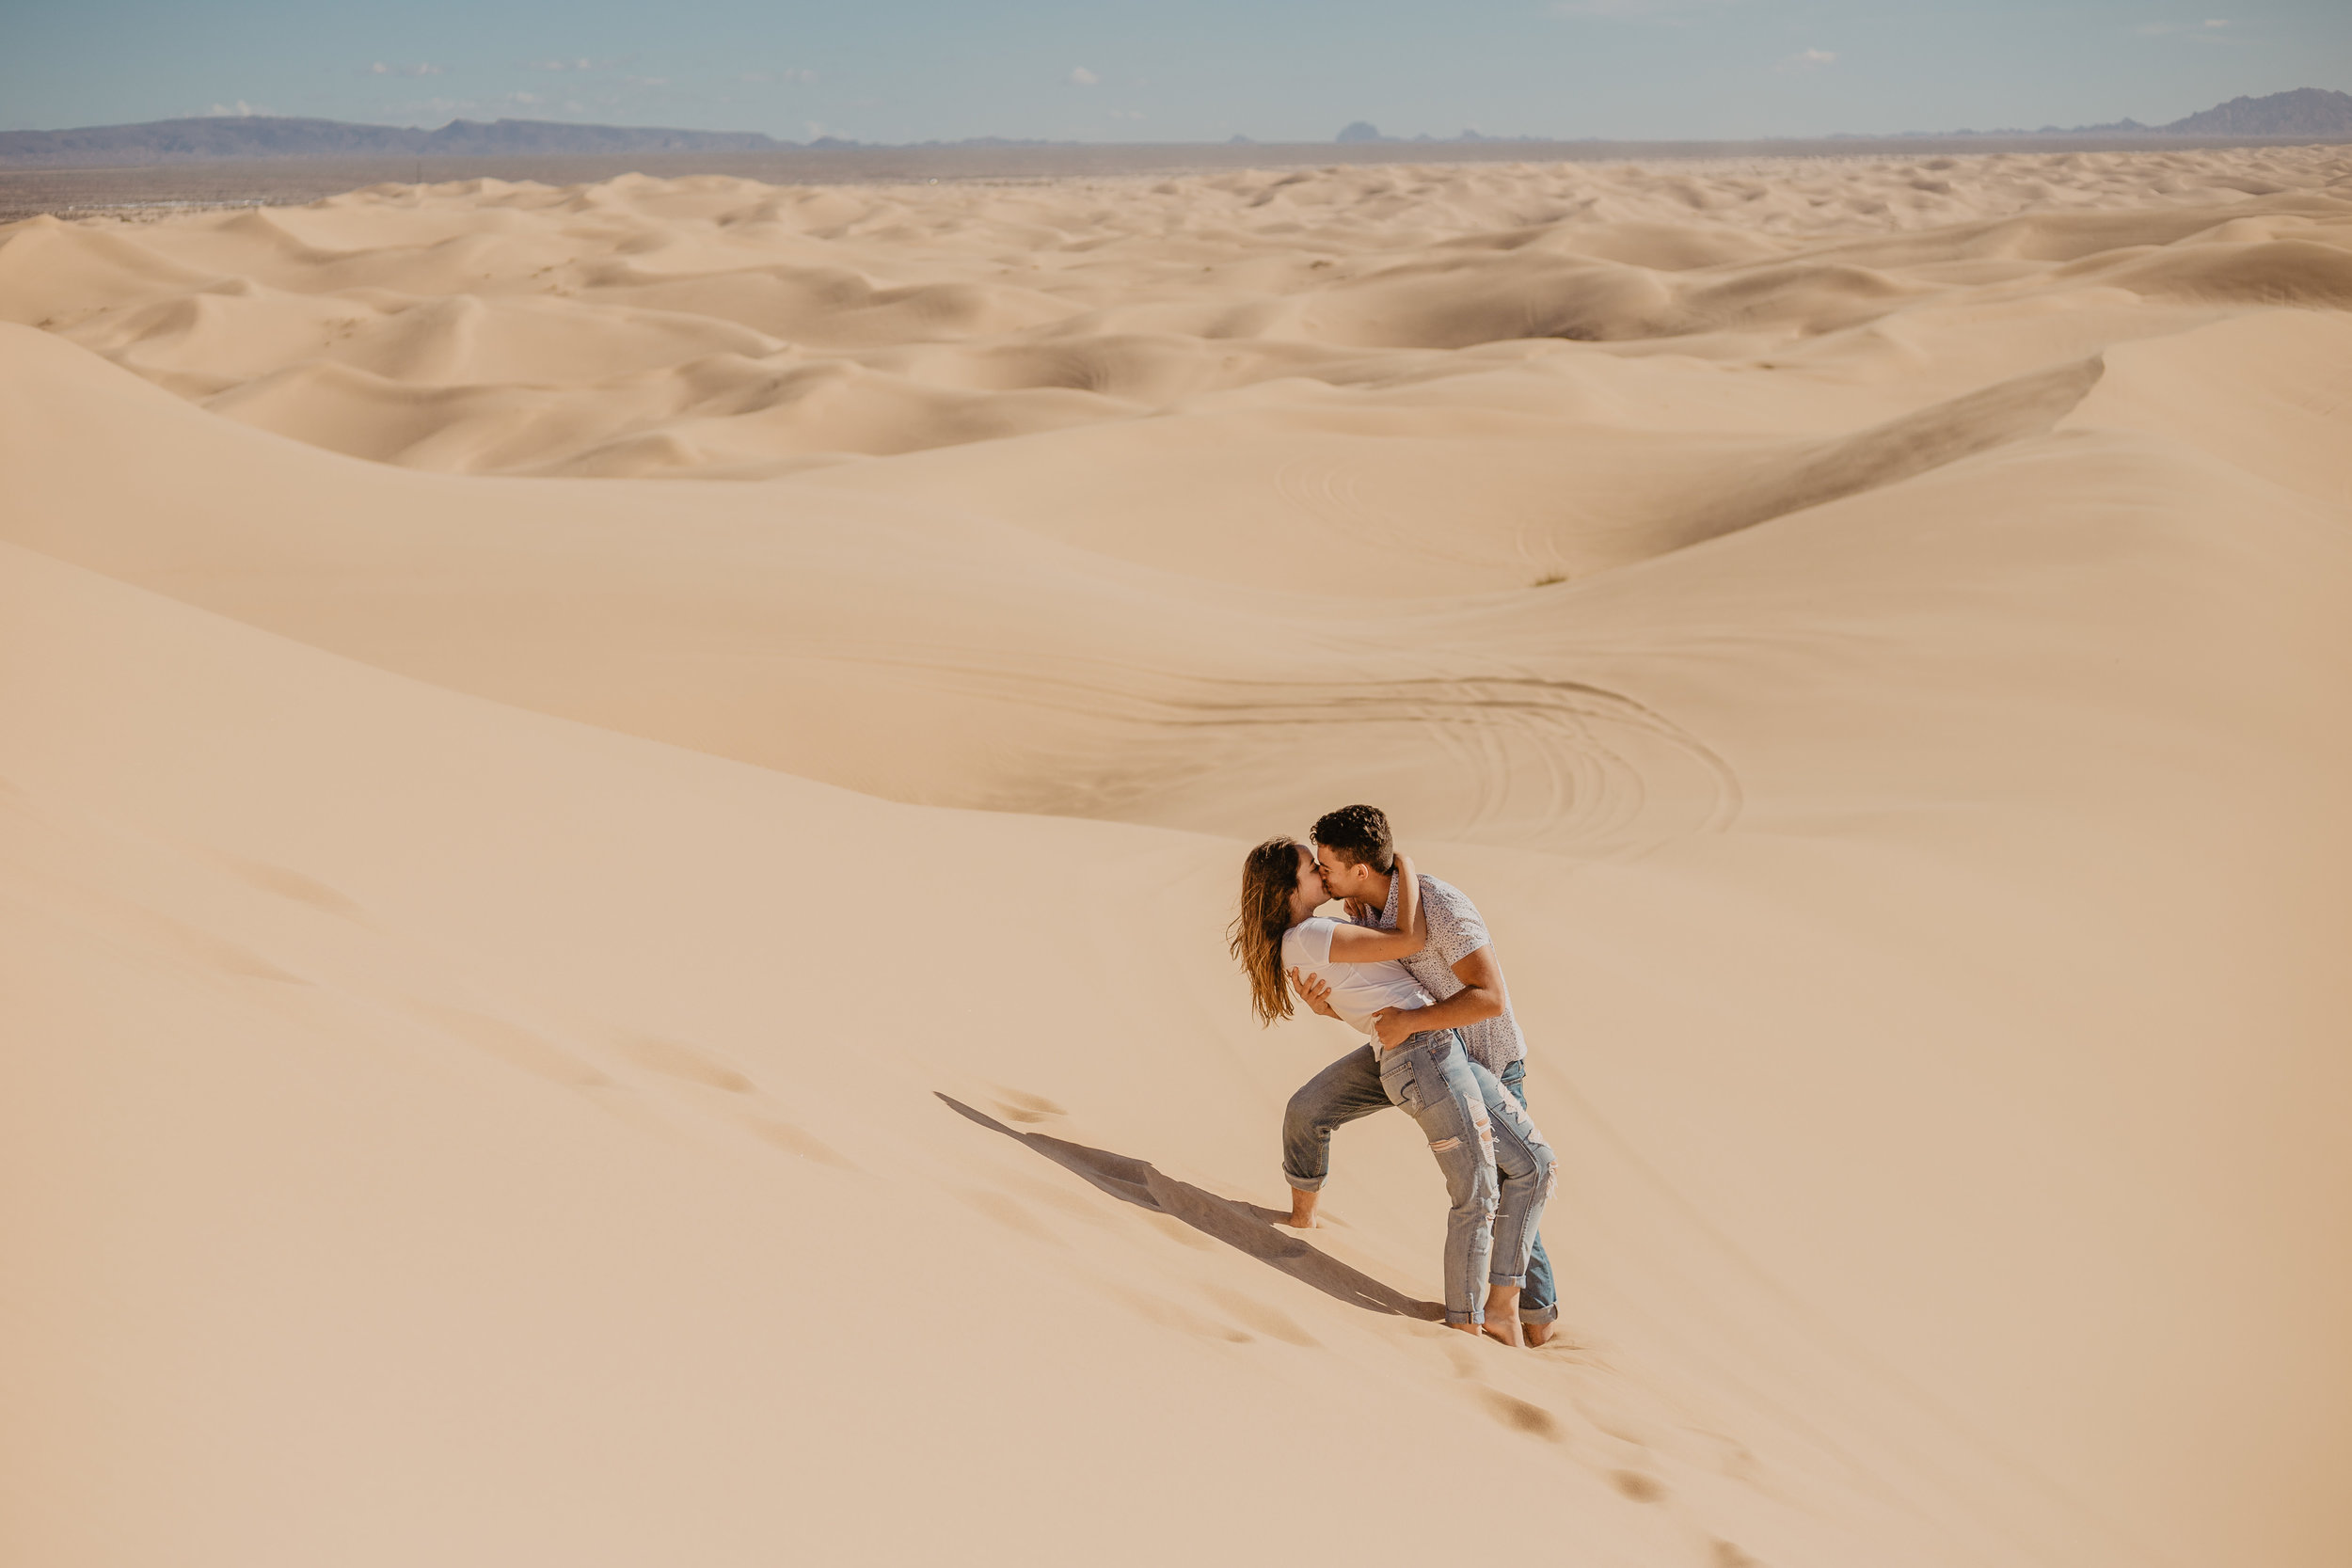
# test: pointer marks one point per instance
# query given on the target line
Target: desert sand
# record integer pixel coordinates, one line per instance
(621, 803)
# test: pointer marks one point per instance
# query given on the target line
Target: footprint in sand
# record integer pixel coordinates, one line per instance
(1268, 1321)
(685, 1063)
(1169, 1315)
(1019, 1105)
(214, 952)
(689, 1064)
(283, 883)
(794, 1140)
(513, 1044)
(1624, 1428)
(1010, 1213)
(1520, 1416)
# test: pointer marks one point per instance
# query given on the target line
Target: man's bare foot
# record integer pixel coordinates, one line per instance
(1468, 1328)
(1536, 1334)
(1303, 1211)
(1503, 1315)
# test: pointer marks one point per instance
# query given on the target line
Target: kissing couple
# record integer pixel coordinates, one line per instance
(1411, 968)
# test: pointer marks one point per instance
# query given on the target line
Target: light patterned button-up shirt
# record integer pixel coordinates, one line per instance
(1454, 933)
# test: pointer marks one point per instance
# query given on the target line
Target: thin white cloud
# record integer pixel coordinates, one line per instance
(381, 68)
(1080, 76)
(561, 65)
(2210, 28)
(1807, 60)
(239, 110)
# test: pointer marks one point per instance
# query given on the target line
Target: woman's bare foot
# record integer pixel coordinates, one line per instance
(1537, 1334)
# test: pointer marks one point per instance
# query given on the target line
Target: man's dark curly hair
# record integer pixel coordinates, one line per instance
(1358, 834)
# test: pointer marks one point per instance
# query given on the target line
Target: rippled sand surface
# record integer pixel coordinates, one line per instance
(491, 925)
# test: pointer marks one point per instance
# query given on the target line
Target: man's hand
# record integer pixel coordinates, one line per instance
(1358, 911)
(1312, 991)
(1395, 1026)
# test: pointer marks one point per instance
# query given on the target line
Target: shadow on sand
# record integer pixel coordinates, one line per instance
(1245, 1226)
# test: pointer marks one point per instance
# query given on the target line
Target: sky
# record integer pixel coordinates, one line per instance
(904, 70)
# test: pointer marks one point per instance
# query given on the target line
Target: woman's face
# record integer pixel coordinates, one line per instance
(1311, 886)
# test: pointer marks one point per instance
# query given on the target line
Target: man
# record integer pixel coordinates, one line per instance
(1358, 859)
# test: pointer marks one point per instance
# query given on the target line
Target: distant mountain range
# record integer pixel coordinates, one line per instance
(2304, 112)
(2314, 112)
(267, 136)
(2311, 112)
(227, 136)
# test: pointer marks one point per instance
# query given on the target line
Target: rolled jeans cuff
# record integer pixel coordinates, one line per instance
(1516, 1281)
(1540, 1314)
(1304, 1184)
(1475, 1315)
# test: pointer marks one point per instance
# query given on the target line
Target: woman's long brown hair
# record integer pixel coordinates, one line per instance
(1268, 877)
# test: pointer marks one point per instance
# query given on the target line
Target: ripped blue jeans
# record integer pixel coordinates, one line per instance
(1348, 1090)
(1498, 1169)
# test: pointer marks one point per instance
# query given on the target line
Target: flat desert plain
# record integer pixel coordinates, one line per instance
(621, 804)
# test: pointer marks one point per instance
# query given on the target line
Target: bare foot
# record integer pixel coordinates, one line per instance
(1303, 1211)
(1503, 1315)
(1468, 1328)
(1537, 1334)
(1298, 1222)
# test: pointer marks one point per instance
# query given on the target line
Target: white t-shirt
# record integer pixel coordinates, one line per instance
(1357, 991)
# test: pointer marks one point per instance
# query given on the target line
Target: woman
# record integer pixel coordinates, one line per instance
(1475, 1128)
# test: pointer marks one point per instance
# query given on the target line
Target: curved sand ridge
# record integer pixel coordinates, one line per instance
(489, 930)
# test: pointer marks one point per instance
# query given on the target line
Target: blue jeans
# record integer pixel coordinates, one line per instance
(1350, 1089)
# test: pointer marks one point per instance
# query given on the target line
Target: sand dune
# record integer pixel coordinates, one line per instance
(725, 328)
(561, 1015)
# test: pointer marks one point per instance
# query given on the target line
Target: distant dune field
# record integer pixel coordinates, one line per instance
(140, 181)
(622, 798)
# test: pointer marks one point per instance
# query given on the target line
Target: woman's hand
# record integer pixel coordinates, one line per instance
(1395, 1026)
(1312, 991)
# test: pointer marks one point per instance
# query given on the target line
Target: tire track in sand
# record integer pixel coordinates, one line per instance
(1509, 758)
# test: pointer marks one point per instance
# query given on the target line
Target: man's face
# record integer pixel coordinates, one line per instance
(1342, 877)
